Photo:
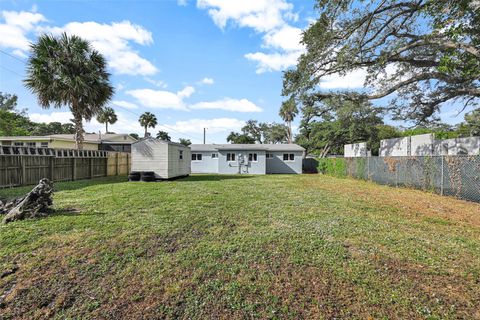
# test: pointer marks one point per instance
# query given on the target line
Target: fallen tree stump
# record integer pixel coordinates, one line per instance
(34, 204)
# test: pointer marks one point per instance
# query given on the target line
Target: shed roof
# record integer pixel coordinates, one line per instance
(258, 147)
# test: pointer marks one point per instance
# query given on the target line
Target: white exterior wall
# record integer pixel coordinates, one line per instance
(161, 158)
(277, 165)
(355, 150)
(398, 147)
(422, 145)
(248, 167)
(178, 167)
(207, 164)
(461, 146)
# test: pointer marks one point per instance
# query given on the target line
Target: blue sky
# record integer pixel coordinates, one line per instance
(193, 63)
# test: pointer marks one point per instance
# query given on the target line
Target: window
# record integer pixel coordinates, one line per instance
(196, 157)
(180, 154)
(288, 157)
(214, 155)
(44, 144)
(269, 155)
(252, 157)
(18, 144)
(31, 144)
(230, 157)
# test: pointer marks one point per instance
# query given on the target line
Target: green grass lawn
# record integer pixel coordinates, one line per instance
(225, 247)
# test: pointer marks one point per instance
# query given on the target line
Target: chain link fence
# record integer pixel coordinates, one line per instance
(457, 176)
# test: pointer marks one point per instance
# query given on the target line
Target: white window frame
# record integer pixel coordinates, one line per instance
(43, 144)
(180, 154)
(254, 157)
(18, 144)
(214, 155)
(31, 144)
(196, 157)
(269, 155)
(288, 157)
(232, 157)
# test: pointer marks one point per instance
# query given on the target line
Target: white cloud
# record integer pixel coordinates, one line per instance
(207, 81)
(157, 83)
(14, 31)
(287, 38)
(273, 61)
(186, 92)
(113, 41)
(218, 125)
(125, 104)
(23, 19)
(242, 105)
(62, 117)
(355, 79)
(261, 15)
(182, 3)
(124, 123)
(159, 98)
(264, 16)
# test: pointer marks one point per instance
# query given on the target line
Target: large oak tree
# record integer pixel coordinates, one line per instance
(420, 53)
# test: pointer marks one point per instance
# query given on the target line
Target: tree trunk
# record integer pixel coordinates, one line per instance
(77, 121)
(289, 131)
(145, 135)
(34, 204)
(106, 127)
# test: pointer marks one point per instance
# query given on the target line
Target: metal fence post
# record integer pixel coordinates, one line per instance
(441, 175)
(368, 168)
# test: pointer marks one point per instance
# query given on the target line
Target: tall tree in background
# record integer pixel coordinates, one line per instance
(471, 125)
(325, 128)
(422, 52)
(240, 138)
(107, 116)
(8, 102)
(147, 120)
(260, 132)
(185, 142)
(163, 135)
(67, 71)
(288, 112)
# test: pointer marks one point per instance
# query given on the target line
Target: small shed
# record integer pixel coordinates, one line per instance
(166, 159)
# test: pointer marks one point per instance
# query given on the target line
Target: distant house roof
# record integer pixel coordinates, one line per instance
(259, 147)
(89, 137)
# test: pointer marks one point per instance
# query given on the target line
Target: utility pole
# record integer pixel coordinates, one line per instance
(204, 132)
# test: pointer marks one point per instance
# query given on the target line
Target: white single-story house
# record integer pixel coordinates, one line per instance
(246, 158)
(166, 159)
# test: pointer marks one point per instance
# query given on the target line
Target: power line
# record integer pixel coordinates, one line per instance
(18, 74)
(126, 109)
(12, 56)
(166, 127)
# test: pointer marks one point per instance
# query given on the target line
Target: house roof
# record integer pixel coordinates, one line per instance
(258, 147)
(160, 141)
(89, 138)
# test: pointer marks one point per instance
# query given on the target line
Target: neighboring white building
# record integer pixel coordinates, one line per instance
(457, 146)
(426, 145)
(246, 158)
(166, 159)
(355, 150)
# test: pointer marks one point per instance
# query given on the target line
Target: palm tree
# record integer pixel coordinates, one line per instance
(67, 71)
(288, 112)
(107, 116)
(147, 120)
(163, 135)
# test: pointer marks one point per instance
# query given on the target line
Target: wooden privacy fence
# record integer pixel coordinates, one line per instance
(20, 166)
